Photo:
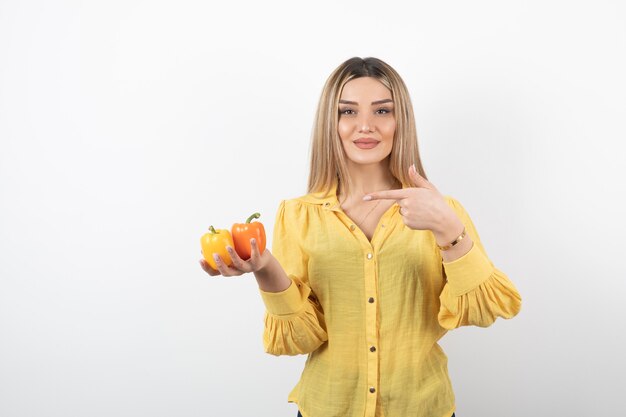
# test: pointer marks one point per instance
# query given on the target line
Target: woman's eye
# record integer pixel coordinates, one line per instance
(346, 111)
(383, 111)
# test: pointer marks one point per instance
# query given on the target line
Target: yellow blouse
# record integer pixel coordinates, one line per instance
(369, 314)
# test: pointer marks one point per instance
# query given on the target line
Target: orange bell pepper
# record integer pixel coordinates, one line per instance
(242, 233)
(215, 241)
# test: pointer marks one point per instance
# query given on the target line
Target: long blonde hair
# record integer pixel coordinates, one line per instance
(328, 159)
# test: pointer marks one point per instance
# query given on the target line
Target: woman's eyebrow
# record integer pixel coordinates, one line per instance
(386, 100)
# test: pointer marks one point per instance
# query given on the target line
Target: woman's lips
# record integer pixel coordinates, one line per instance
(366, 144)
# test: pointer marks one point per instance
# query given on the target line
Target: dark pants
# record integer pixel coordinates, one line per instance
(300, 415)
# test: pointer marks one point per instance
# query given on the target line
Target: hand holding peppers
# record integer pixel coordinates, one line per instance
(235, 254)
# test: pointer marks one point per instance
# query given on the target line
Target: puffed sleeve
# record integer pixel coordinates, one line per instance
(476, 292)
(294, 321)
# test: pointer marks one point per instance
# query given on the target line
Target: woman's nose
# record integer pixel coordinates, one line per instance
(365, 124)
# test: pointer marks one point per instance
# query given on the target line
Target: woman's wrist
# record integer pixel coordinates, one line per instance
(450, 227)
(271, 277)
(450, 232)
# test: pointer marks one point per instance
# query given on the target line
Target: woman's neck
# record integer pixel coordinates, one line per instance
(367, 179)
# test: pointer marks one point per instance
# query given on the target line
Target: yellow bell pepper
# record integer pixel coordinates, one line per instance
(215, 241)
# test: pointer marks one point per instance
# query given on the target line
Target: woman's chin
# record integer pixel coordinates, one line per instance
(371, 159)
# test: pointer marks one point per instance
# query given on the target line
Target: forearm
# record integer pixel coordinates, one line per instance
(451, 228)
(272, 277)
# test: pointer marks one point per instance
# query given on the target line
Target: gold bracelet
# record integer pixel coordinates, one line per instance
(457, 240)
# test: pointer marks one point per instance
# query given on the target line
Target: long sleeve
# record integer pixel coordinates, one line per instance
(476, 292)
(294, 321)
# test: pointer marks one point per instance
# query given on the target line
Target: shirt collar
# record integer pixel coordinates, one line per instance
(326, 199)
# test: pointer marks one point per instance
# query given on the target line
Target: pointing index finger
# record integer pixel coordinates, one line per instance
(387, 195)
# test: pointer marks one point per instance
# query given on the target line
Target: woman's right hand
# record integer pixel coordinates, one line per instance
(239, 267)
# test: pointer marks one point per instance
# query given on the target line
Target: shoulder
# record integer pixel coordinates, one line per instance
(451, 200)
(295, 216)
(303, 209)
(310, 200)
(298, 206)
(455, 204)
(297, 203)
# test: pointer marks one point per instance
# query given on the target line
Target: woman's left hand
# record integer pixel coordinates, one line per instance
(422, 207)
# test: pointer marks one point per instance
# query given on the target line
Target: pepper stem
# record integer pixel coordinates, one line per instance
(254, 216)
(212, 230)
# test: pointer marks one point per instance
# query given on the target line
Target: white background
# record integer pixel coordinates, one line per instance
(128, 127)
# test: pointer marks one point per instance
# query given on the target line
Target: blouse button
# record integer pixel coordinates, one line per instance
(371, 300)
(352, 227)
(327, 204)
(373, 349)
(372, 390)
(369, 256)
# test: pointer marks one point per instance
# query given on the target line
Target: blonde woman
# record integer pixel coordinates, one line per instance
(373, 265)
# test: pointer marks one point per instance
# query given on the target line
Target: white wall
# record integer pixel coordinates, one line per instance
(128, 127)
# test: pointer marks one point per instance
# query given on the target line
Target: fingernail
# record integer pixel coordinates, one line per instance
(367, 198)
(216, 257)
(413, 166)
(253, 241)
(229, 249)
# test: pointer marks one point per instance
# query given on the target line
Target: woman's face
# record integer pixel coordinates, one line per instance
(366, 120)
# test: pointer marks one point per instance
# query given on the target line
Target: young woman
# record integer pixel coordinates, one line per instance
(371, 267)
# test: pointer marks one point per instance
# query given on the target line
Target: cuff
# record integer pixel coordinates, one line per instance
(468, 272)
(289, 301)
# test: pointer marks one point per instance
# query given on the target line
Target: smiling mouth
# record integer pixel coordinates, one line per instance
(366, 144)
